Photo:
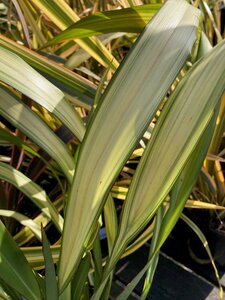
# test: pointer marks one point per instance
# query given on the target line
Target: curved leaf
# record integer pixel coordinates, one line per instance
(193, 110)
(64, 79)
(32, 191)
(204, 241)
(25, 221)
(18, 74)
(178, 197)
(25, 234)
(12, 139)
(62, 15)
(30, 124)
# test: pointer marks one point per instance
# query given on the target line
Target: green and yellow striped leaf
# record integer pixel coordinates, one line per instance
(132, 19)
(69, 82)
(127, 107)
(194, 104)
(62, 15)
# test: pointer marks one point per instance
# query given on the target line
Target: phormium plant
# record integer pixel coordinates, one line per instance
(69, 147)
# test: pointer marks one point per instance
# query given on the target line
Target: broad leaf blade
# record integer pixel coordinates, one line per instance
(172, 143)
(14, 269)
(193, 110)
(178, 197)
(185, 181)
(128, 105)
(175, 136)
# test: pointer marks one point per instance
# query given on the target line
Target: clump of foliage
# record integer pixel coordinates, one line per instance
(81, 143)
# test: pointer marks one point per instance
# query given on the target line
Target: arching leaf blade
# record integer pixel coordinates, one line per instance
(132, 19)
(69, 82)
(33, 192)
(23, 220)
(61, 14)
(18, 74)
(30, 124)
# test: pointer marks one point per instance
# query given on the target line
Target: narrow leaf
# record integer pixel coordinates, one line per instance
(34, 255)
(30, 124)
(64, 79)
(25, 221)
(111, 222)
(26, 7)
(25, 235)
(18, 74)
(15, 140)
(202, 205)
(153, 254)
(80, 56)
(132, 19)
(80, 277)
(204, 241)
(32, 191)
(50, 276)
(62, 15)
